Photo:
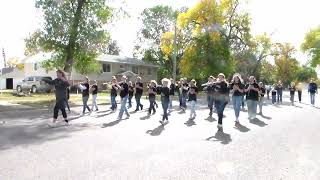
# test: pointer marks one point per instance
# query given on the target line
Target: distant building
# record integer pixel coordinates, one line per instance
(110, 66)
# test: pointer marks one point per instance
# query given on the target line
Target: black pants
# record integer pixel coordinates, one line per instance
(60, 105)
(299, 95)
(220, 104)
(152, 101)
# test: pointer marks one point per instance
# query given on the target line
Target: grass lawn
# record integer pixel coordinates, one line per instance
(47, 99)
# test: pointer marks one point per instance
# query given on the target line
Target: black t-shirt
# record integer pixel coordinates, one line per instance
(210, 89)
(86, 91)
(292, 89)
(131, 90)
(113, 90)
(125, 91)
(273, 92)
(139, 91)
(185, 88)
(221, 87)
(95, 91)
(193, 90)
(252, 94)
(263, 91)
(236, 92)
(165, 92)
(152, 95)
(172, 89)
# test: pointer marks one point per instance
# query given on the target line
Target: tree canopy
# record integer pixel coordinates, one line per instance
(311, 46)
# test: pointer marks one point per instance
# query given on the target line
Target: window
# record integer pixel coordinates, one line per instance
(29, 78)
(121, 67)
(35, 66)
(149, 71)
(106, 68)
(135, 69)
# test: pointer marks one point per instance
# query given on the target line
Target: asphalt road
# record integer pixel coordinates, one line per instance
(282, 144)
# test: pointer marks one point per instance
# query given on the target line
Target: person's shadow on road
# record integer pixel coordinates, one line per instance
(110, 124)
(221, 136)
(210, 119)
(145, 117)
(258, 122)
(156, 131)
(265, 117)
(190, 123)
(241, 128)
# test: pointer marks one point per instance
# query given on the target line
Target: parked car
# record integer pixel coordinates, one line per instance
(34, 84)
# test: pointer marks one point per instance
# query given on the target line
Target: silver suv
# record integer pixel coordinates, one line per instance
(34, 84)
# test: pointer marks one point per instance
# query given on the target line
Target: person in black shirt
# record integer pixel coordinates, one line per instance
(124, 93)
(94, 89)
(292, 89)
(113, 93)
(179, 88)
(274, 94)
(312, 90)
(61, 84)
(68, 97)
(131, 91)
(185, 89)
(209, 87)
(262, 92)
(221, 98)
(165, 98)
(84, 86)
(152, 92)
(279, 89)
(192, 94)
(252, 90)
(139, 91)
(172, 91)
(237, 89)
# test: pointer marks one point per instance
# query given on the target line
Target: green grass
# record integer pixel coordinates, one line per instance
(47, 99)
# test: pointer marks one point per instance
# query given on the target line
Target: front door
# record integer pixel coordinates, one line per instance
(9, 83)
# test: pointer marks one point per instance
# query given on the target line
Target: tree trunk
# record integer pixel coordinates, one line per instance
(73, 37)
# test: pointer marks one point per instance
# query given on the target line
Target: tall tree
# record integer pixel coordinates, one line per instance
(72, 31)
(155, 22)
(113, 48)
(286, 66)
(311, 46)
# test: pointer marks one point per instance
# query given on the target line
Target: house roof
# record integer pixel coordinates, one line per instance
(123, 60)
(102, 58)
(6, 70)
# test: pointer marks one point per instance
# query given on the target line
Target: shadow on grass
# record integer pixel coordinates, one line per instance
(156, 131)
(220, 136)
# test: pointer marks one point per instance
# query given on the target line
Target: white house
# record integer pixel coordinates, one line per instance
(110, 65)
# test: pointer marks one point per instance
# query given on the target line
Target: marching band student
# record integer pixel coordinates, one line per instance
(139, 92)
(165, 98)
(192, 98)
(237, 88)
(61, 84)
(180, 92)
(172, 91)
(84, 86)
(152, 92)
(113, 93)
(252, 90)
(221, 98)
(299, 89)
(94, 89)
(274, 94)
(131, 91)
(209, 87)
(185, 89)
(262, 92)
(124, 93)
(292, 90)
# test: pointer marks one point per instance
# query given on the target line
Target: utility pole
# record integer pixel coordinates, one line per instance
(4, 58)
(174, 70)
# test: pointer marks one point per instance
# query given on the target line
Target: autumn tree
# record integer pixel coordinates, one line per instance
(73, 32)
(311, 46)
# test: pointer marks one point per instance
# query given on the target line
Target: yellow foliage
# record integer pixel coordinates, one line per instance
(20, 66)
(167, 43)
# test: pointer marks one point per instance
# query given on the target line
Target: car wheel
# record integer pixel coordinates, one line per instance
(34, 89)
(19, 89)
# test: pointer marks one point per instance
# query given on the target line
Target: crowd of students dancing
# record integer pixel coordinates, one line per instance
(218, 92)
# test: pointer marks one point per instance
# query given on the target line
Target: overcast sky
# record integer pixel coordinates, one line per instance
(288, 20)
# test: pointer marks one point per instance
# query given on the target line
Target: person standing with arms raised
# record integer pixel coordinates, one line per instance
(139, 92)
(61, 84)
(124, 94)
